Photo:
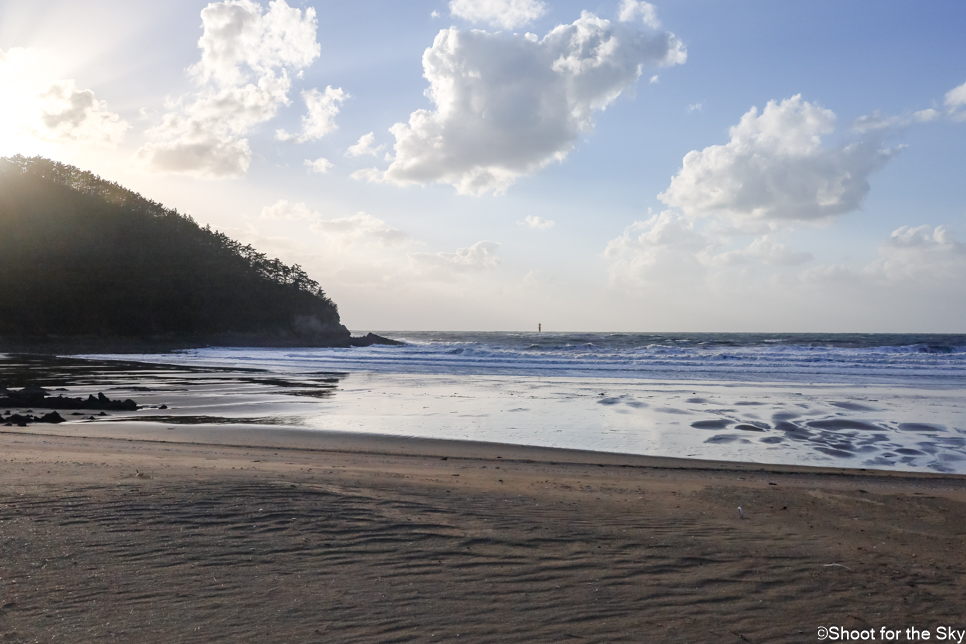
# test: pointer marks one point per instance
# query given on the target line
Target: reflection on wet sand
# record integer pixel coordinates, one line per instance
(862, 426)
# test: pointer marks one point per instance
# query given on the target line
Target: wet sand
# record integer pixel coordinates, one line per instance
(355, 538)
(911, 428)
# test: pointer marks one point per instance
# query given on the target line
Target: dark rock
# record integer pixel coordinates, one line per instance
(371, 338)
(37, 397)
(31, 392)
(52, 417)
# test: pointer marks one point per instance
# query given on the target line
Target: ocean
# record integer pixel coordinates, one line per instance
(732, 357)
(889, 401)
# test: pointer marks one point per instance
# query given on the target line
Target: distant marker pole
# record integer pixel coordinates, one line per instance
(539, 328)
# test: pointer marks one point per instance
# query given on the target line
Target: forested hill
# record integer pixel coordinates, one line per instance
(84, 257)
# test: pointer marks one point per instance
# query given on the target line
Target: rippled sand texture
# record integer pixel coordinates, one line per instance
(166, 542)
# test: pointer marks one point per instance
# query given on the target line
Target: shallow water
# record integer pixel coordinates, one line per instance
(858, 400)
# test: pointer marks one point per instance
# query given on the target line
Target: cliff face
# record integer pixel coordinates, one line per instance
(82, 257)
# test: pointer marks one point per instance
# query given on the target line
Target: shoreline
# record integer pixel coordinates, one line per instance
(309, 441)
(873, 427)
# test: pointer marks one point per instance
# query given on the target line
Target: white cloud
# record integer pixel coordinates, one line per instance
(320, 119)
(507, 14)
(204, 156)
(775, 168)
(364, 146)
(344, 232)
(36, 106)
(636, 9)
(920, 258)
(665, 248)
(655, 79)
(764, 249)
(246, 58)
(669, 248)
(694, 107)
(507, 106)
(320, 165)
(71, 114)
(480, 256)
(920, 253)
(877, 121)
(537, 222)
(956, 102)
(369, 175)
(282, 209)
(237, 35)
(361, 227)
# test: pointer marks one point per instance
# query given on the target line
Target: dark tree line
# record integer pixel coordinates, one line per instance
(83, 256)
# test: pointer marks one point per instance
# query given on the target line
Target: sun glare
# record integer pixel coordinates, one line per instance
(22, 79)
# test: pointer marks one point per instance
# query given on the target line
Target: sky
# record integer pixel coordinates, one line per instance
(491, 165)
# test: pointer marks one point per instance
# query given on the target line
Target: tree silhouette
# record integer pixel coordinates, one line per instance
(83, 256)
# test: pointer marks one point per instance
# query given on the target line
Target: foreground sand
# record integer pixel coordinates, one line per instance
(369, 540)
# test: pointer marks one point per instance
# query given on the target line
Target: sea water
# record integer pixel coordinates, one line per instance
(891, 401)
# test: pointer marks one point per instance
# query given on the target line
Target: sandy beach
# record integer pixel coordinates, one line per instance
(216, 513)
(354, 538)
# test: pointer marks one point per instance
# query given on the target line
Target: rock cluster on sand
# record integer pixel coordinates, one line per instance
(39, 397)
(21, 420)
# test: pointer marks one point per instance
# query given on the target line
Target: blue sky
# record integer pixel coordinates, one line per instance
(588, 166)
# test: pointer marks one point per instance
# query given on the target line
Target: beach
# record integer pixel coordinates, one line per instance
(359, 539)
(242, 504)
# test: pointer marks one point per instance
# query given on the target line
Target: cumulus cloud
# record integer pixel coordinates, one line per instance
(955, 109)
(320, 165)
(322, 108)
(764, 249)
(508, 105)
(478, 257)
(360, 228)
(956, 102)
(537, 222)
(71, 114)
(210, 157)
(776, 168)
(247, 55)
(364, 146)
(282, 209)
(507, 14)
(369, 175)
(664, 248)
(670, 248)
(637, 10)
(921, 257)
(238, 35)
(922, 252)
(879, 122)
(57, 110)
